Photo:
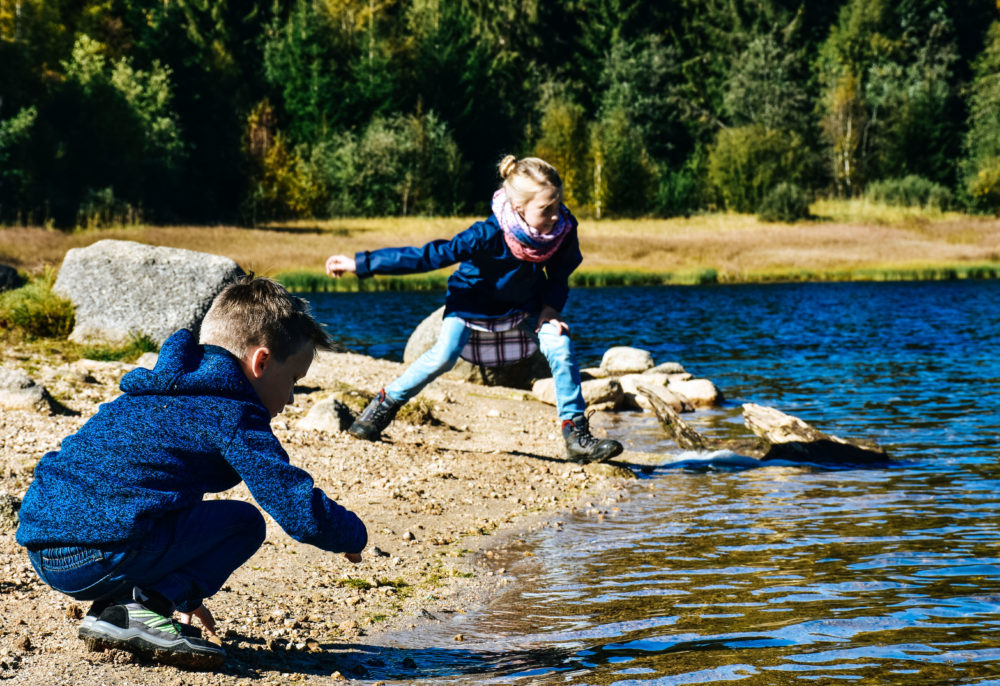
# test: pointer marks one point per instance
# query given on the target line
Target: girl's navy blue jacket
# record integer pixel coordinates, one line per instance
(490, 282)
(193, 425)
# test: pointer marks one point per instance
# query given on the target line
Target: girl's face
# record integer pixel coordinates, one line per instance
(542, 211)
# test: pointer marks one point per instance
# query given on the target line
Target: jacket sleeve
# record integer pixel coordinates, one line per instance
(433, 255)
(287, 492)
(558, 269)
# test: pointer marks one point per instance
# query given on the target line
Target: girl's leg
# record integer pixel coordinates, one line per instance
(558, 350)
(436, 361)
(581, 446)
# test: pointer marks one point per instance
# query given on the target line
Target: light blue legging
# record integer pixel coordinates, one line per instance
(556, 347)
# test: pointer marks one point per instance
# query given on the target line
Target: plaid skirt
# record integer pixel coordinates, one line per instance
(498, 342)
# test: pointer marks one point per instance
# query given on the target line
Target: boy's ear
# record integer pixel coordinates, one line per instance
(259, 359)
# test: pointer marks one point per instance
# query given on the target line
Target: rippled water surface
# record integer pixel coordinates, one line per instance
(704, 573)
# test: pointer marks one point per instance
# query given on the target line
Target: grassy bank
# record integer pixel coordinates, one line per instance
(849, 240)
(302, 281)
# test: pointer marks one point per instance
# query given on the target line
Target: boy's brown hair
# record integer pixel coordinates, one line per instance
(256, 311)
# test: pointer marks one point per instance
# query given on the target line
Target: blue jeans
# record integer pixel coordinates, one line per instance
(555, 346)
(187, 557)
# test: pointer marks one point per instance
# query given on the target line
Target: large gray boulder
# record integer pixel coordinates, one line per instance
(519, 375)
(124, 288)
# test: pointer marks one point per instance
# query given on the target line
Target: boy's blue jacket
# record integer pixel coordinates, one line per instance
(491, 282)
(193, 425)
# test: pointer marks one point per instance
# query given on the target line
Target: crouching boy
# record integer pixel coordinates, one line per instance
(116, 516)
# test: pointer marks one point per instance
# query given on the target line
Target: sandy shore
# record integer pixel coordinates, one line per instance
(444, 502)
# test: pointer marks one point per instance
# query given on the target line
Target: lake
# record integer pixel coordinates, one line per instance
(704, 573)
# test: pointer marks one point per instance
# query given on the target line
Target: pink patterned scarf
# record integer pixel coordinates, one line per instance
(525, 242)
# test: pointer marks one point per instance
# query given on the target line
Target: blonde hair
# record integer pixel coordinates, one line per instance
(523, 178)
(253, 312)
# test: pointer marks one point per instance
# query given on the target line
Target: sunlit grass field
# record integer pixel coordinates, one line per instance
(847, 240)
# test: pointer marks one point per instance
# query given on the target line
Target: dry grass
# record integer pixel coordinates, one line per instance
(850, 236)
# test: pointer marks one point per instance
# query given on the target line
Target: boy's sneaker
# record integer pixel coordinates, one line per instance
(375, 418)
(96, 608)
(143, 626)
(582, 446)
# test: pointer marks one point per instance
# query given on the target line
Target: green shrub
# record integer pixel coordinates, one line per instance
(786, 202)
(678, 193)
(563, 142)
(745, 163)
(35, 310)
(314, 281)
(136, 345)
(284, 185)
(399, 165)
(983, 188)
(909, 191)
(100, 208)
(624, 175)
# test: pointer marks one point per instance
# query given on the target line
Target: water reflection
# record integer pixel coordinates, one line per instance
(769, 576)
(714, 568)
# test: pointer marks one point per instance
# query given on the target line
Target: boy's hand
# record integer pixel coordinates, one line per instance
(203, 615)
(338, 265)
(550, 314)
(353, 557)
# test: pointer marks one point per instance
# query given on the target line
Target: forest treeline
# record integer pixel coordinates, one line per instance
(199, 111)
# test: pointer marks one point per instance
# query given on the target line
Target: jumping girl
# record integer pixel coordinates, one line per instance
(503, 301)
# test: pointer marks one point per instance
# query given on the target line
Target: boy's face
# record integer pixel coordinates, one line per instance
(274, 381)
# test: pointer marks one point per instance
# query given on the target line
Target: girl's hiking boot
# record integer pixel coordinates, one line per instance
(583, 447)
(143, 626)
(375, 418)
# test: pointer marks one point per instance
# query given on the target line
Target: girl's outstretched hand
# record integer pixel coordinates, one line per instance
(338, 265)
(549, 314)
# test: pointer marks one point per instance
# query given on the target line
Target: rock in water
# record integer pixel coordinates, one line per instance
(685, 437)
(622, 359)
(123, 288)
(790, 438)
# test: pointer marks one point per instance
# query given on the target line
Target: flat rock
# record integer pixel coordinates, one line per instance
(658, 382)
(609, 470)
(329, 415)
(700, 392)
(667, 368)
(18, 391)
(596, 392)
(147, 360)
(622, 359)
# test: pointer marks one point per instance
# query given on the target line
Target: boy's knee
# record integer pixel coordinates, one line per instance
(252, 524)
